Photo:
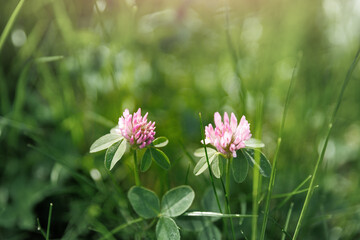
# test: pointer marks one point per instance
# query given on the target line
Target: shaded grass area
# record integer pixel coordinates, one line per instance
(69, 69)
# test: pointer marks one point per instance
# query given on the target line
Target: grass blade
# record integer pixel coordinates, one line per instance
(321, 156)
(10, 23)
(295, 190)
(48, 59)
(290, 194)
(216, 214)
(287, 221)
(207, 160)
(273, 169)
(40, 229)
(227, 194)
(49, 221)
(256, 172)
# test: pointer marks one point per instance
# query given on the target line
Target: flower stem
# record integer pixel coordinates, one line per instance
(256, 173)
(321, 156)
(227, 194)
(287, 221)
(136, 170)
(207, 161)
(211, 174)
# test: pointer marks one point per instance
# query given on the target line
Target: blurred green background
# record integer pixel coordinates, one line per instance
(68, 70)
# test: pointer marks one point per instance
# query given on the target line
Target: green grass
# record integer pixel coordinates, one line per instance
(323, 150)
(81, 65)
(10, 24)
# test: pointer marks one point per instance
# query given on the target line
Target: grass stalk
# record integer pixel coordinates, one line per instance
(295, 190)
(288, 216)
(10, 23)
(287, 221)
(227, 194)
(136, 170)
(208, 164)
(321, 156)
(255, 205)
(187, 174)
(281, 195)
(256, 173)
(210, 172)
(49, 221)
(40, 229)
(273, 169)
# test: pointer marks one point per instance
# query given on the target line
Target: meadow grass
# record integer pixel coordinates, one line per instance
(323, 150)
(82, 63)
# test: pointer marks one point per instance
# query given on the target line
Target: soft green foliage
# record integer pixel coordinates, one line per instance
(146, 160)
(114, 154)
(105, 142)
(210, 232)
(160, 158)
(166, 229)
(204, 224)
(145, 202)
(160, 142)
(200, 152)
(240, 167)
(217, 165)
(264, 165)
(176, 201)
(254, 143)
(68, 69)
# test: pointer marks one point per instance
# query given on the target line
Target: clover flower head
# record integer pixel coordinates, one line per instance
(136, 129)
(228, 136)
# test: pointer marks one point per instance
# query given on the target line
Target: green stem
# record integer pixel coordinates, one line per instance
(273, 169)
(256, 173)
(208, 164)
(136, 170)
(40, 229)
(49, 221)
(255, 198)
(270, 189)
(216, 214)
(227, 194)
(287, 221)
(321, 156)
(120, 227)
(187, 174)
(295, 190)
(10, 23)
(292, 193)
(210, 172)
